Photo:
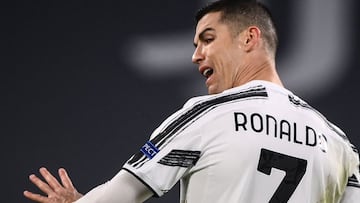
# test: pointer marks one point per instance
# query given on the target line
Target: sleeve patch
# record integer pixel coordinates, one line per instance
(149, 150)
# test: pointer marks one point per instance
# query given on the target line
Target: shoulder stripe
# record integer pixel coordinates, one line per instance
(192, 114)
(301, 103)
(353, 182)
(181, 158)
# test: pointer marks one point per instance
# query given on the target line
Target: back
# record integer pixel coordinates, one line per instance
(255, 143)
(269, 147)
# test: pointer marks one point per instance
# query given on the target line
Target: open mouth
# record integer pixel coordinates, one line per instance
(207, 72)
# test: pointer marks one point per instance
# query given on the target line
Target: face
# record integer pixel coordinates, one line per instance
(217, 53)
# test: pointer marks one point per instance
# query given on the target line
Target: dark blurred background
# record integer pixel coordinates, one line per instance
(85, 83)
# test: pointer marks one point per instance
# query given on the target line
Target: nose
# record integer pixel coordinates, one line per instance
(197, 56)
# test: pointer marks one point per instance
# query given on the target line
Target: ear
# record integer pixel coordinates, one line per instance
(251, 38)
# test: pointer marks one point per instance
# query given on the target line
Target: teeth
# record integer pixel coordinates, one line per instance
(207, 72)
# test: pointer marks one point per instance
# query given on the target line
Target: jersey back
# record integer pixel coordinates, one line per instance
(254, 143)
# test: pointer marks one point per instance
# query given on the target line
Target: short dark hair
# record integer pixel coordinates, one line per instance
(240, 14)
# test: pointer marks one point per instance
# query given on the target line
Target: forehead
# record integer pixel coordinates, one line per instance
(210, 20)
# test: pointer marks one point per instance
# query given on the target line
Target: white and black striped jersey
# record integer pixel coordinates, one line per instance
(254, 143)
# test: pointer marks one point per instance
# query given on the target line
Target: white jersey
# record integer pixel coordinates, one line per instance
(254, 143)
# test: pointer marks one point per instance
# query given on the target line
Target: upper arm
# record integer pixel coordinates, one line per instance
(123, 187)
(138, 189)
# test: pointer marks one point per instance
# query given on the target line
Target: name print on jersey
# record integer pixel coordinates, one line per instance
(279, 128)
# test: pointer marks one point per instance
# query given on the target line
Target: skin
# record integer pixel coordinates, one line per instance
(235, 60)
(63, 192)
(124, 186)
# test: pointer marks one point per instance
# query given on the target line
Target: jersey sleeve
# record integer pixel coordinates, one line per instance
(352, 190)
(173, 148)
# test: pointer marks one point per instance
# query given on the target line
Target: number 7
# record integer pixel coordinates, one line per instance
(294, 170)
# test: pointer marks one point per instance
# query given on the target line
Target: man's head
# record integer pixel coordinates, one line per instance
(229, 35)
(240, 14)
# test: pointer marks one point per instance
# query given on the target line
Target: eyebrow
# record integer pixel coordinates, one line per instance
(201, 35)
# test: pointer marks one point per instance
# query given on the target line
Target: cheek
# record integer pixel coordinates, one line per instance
(225, 63)
(221, 59)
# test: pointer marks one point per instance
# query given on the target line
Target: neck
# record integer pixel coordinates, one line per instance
(259, 70)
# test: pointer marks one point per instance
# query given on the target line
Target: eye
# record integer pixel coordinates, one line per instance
(208, 40)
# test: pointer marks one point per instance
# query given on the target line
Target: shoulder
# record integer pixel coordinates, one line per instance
(247, 91)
